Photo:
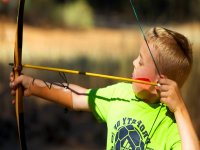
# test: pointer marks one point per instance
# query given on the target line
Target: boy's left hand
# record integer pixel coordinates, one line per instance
(170, 94)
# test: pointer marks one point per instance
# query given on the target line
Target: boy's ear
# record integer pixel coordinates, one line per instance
(162, 76)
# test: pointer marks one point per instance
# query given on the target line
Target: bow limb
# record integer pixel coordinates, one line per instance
(17, 71)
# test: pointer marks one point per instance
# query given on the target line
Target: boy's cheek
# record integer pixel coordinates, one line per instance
(148, 74)
(145, 74)
(143, 89)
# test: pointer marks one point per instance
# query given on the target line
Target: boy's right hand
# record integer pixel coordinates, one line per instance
(25, 81)
(170, 94)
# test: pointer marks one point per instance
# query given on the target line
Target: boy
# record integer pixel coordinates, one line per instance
(138, 116)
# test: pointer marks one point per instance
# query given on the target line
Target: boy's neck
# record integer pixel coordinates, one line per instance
(148, 96)
(151, 101)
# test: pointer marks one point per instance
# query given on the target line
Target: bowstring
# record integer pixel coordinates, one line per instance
(65, 85)
(145, 39)
(156, 66)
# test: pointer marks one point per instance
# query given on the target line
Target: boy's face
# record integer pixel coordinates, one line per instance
(144, 67)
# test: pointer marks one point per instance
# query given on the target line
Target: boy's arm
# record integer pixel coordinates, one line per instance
(189, 138)
(57, 94)
(170, 95)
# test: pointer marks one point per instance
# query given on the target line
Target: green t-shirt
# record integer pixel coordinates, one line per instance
(131, 123)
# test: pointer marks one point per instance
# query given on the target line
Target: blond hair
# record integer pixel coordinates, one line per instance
(174, 53)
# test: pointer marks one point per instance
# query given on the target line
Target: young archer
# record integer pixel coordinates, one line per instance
(137, 115)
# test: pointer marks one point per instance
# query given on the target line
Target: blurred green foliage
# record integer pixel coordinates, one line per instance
(86, 13)
(77, 14)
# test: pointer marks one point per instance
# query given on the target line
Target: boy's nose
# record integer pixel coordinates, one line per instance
(134, 62)
(133, 65)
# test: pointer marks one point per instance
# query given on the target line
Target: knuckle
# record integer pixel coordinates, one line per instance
(174, 84)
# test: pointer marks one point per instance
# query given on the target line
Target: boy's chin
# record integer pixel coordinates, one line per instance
(147, 93)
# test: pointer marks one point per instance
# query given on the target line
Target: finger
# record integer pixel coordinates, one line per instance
(13, 101)
(11, 76)
(164, 94)
(18, 81)
(164, 100)
(164, 88)
(164, 81)
(13, 92)
(13, 86)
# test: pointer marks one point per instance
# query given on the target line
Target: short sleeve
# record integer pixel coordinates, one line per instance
(100, 100)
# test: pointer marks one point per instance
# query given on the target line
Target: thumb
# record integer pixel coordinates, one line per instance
(13, 101)
(18, 81)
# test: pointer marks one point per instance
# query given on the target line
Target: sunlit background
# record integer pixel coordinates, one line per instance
(98, 36)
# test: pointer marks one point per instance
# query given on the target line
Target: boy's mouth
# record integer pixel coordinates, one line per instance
(141, 78)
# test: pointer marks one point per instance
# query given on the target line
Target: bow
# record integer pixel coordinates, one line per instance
(18, 68)
(17, 71)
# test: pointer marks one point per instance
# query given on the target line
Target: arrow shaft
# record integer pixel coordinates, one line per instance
(88, 74)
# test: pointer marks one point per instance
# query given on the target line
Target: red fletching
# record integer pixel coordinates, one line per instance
(143, 79)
